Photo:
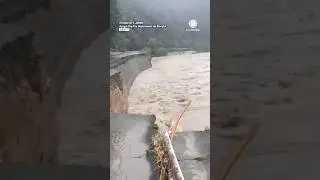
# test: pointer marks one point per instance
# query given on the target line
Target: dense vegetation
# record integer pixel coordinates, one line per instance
(174, 15)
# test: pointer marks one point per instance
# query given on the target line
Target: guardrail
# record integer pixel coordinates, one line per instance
(173, 161)
(179, 49)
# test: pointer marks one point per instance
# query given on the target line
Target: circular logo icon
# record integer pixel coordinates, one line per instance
(193, 23)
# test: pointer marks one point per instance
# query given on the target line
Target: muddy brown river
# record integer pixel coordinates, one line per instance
(165, 89)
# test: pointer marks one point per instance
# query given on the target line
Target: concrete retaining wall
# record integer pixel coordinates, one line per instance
(124, 68)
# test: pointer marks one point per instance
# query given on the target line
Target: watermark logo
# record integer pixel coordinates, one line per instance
(193, 24)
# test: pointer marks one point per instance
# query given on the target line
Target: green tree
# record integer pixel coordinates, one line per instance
(152, 43)
(156, 47)
(120, 42)
(161, 51)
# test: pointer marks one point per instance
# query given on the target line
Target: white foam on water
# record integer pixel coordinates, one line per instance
(165, 89)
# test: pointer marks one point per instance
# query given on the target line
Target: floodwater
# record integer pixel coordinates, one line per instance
(165, 89)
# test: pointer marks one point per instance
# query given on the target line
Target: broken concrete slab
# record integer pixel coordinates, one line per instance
(193, 153)
(129, 142)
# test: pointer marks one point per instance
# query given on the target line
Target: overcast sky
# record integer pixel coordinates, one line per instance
(171, 8)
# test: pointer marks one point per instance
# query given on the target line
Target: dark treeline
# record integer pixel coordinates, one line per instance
(173, 14)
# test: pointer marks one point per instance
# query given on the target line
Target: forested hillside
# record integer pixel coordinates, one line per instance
(173, 14)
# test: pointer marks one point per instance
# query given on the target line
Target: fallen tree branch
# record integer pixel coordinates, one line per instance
(174, 129)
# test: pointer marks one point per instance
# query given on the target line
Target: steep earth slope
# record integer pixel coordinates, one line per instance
(62, 29)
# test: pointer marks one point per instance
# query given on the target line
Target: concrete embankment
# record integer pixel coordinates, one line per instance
(124, 68)
(129, 133)
(129, 145)
(192, 150)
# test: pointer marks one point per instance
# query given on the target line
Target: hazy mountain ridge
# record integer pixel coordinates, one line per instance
(174, 14)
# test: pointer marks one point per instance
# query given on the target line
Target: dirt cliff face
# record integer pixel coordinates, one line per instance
(118, 95)
(62, 30)
(24, 132)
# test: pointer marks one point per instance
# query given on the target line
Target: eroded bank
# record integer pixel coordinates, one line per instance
(61, 30)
